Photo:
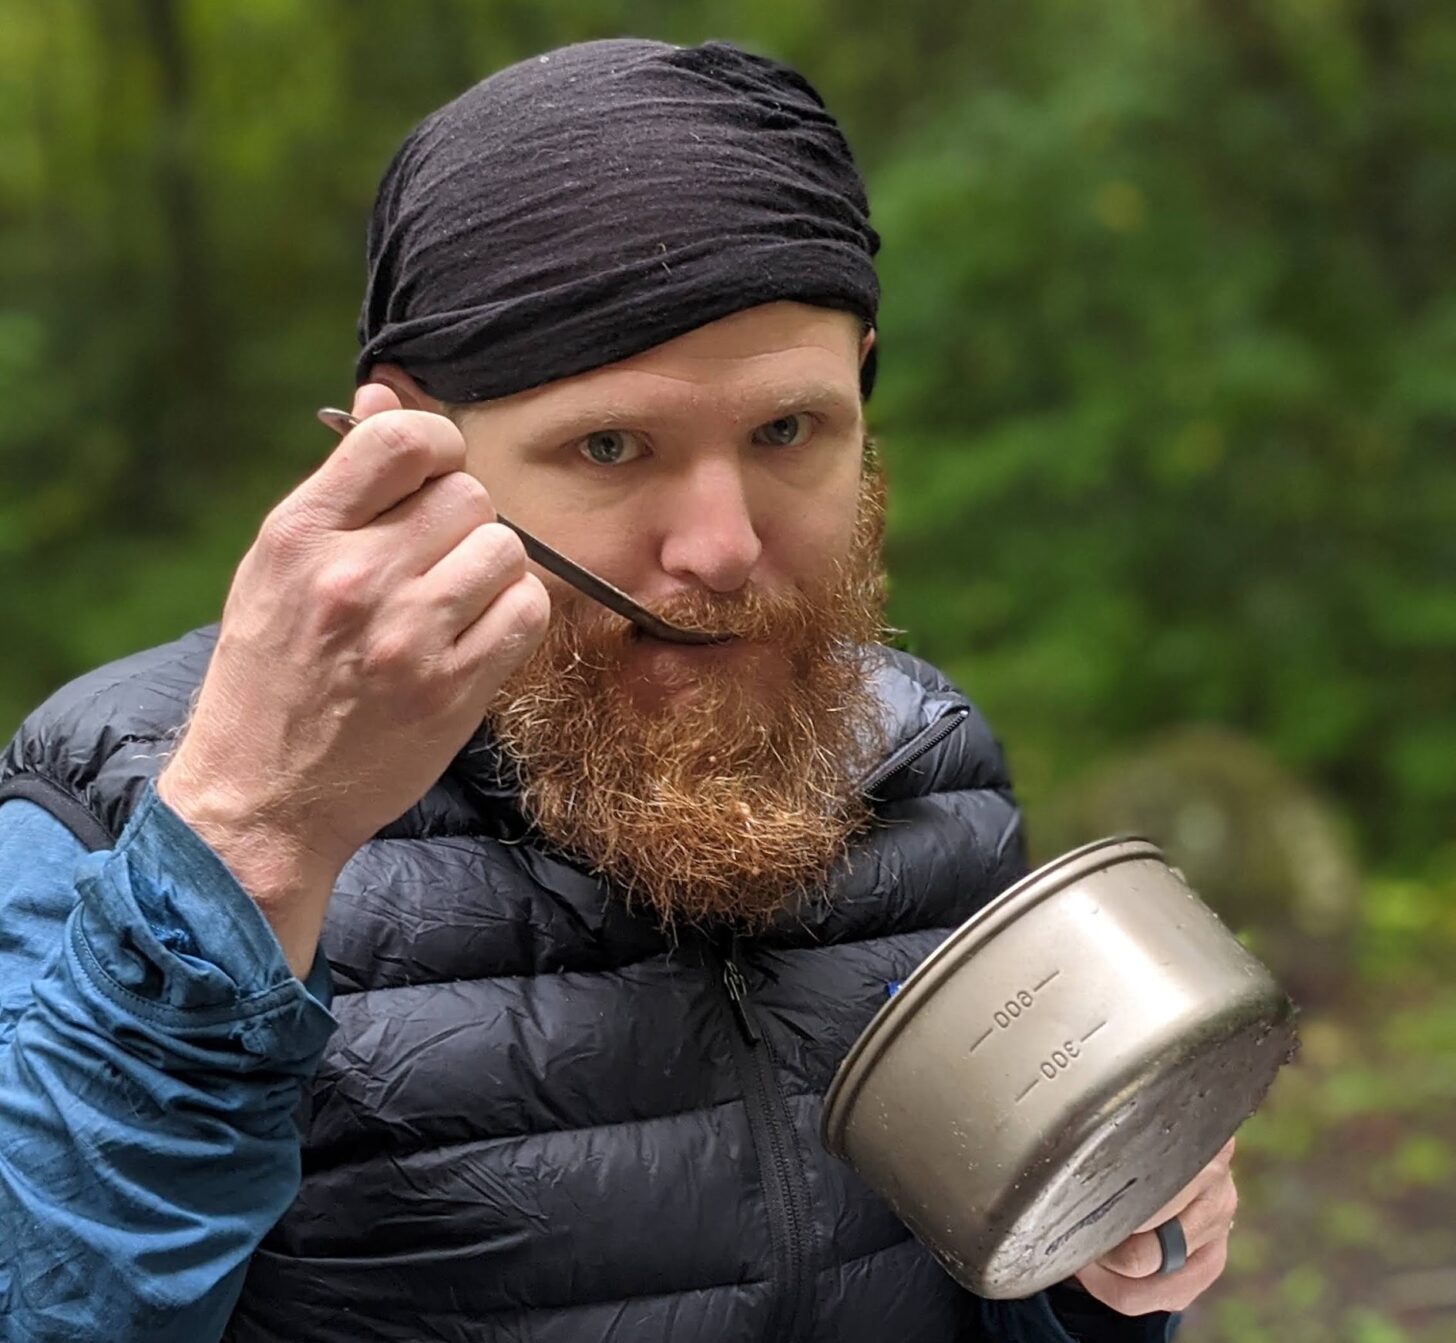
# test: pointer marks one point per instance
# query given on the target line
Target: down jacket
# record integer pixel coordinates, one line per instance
(540, 1120)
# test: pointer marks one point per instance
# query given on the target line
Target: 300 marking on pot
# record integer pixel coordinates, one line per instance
(1060, 1060)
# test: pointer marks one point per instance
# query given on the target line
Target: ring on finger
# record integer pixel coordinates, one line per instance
(1174, 1244)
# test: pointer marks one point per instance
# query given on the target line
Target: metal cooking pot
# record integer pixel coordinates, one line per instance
(1059, 1068)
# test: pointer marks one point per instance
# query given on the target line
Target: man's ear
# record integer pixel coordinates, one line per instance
(866, 344)
(411, 395)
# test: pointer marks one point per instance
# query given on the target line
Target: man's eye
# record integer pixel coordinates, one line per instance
(788, 431)
(610, 447)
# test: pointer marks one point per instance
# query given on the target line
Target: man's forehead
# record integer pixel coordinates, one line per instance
(764, 362)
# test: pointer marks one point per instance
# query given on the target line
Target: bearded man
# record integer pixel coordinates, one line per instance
(425, 953)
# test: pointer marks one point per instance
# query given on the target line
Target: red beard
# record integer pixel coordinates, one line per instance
(737, 794)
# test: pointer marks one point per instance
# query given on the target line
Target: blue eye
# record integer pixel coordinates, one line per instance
(610, 447)
(788, 431)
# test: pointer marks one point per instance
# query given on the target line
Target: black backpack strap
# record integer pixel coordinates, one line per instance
(71, 813)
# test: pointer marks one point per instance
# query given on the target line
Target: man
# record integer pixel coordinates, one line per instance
(596, 915)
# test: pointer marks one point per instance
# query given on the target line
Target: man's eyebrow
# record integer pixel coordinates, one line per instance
(759, 406)
(806, 396)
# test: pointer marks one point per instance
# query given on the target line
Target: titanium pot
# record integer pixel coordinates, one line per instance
(1059, 1068)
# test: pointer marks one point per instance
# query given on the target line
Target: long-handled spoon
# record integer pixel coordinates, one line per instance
(583, 580)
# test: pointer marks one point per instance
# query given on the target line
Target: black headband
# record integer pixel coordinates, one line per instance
(588, 204)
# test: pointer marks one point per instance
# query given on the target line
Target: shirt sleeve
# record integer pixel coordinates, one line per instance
(154, 1048)
(1065, 1315)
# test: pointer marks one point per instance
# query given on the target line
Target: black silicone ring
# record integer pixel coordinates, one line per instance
(1175, 1247)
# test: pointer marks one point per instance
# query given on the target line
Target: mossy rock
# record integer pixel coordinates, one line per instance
(1254, 841)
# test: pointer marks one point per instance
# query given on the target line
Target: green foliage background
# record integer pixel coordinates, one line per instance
(1167, 401)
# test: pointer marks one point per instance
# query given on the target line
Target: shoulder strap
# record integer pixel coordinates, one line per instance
(70, 812)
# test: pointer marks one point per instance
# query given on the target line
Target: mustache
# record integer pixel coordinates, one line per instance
(798, 614)
(753, 614)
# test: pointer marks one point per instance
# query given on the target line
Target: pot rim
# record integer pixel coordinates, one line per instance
(964, 942)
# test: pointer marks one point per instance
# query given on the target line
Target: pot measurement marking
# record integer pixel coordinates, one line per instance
(1050, 1068)
(1058, 1061)
(1004, 1016)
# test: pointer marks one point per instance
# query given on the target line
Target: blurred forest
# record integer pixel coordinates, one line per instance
(1168, 402)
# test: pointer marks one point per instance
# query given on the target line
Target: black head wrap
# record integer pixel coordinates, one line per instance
(586, 205)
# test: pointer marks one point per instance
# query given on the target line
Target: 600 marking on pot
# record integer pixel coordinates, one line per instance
(1006, 1016)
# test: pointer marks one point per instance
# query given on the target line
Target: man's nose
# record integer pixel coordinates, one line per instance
(708, 531)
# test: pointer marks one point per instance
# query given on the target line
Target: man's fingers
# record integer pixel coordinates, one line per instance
(1141, 1254)
(1204, 1220)
(1176, 1291)
(506, 634)
(463, 584)
(385, 460)
(417, 533)
(1210, 1174)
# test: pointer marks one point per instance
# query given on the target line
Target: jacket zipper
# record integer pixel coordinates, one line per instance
(786, 1193)
(929, 740)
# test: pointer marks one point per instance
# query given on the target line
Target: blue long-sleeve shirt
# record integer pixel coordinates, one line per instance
(153, 1048)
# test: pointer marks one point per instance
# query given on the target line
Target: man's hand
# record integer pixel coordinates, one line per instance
(367, 630)
(1123, 1277)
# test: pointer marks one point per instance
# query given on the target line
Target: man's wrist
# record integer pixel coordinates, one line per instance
(1088, 1319)
(286, 878)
